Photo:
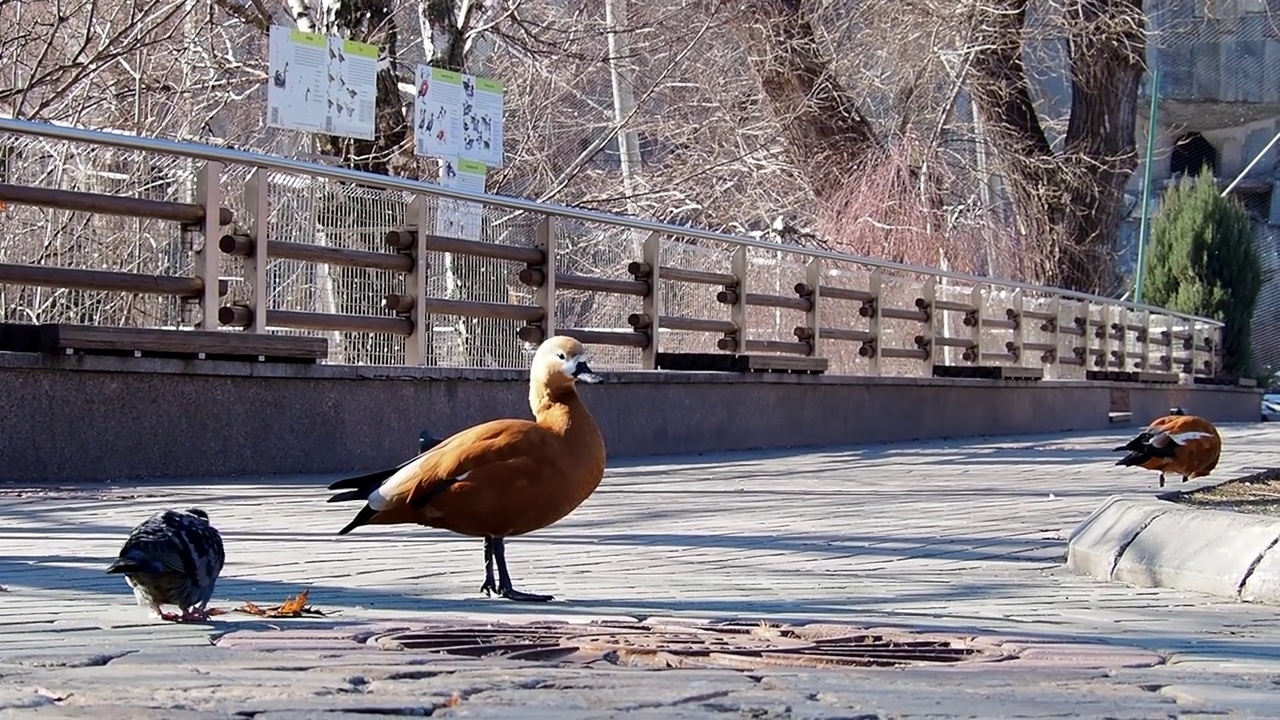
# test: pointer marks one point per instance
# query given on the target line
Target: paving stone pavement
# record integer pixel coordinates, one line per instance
(965, 536)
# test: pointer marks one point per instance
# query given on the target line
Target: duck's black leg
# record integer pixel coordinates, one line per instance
(499, 554)
(488, 588)
(1161, 479)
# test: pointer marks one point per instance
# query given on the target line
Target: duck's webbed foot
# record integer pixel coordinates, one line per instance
(495, 554)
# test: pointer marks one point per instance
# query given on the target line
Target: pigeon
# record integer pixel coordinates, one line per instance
(426, 441)
(173, 558)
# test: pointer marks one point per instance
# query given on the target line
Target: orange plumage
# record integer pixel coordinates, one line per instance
(1177, 443)
(501, 478)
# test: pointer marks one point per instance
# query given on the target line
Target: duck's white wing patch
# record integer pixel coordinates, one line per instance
(1183, 438)
(380, 498)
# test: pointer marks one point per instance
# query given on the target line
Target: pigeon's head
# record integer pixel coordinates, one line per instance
(198, 513)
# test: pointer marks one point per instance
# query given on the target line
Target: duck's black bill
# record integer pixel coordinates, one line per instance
(582, 373)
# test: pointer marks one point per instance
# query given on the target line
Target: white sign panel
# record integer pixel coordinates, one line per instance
(353, 88)
(296, 86)
(436, 113)
(482, 120)
(321, 84)
(459, 218)
(458, 116)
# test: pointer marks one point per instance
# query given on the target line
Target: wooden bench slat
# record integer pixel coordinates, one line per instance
(17, 337)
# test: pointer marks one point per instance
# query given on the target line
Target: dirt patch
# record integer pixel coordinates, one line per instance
(1258, 493)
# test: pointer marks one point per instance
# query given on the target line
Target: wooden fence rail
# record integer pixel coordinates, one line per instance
(986, 324)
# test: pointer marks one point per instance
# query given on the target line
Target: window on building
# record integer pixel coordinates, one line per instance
(1192, 153)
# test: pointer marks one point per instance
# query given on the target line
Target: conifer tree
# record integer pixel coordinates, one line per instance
(1202, 261)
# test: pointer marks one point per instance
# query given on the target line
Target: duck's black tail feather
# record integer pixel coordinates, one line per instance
(362, 518)
(1134, 458)
(361, 485)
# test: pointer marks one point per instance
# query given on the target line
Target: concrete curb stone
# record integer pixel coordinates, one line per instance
(1155, 543)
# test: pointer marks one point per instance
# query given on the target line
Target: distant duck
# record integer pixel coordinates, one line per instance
(1178, 443)
(501, 478)
(172, 558)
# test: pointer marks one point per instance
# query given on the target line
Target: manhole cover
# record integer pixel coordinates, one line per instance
(734, 645)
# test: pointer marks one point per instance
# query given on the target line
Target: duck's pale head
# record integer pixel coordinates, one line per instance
(563, 358)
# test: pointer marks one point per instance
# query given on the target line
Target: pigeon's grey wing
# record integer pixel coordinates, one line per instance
(208, 555)
(151, 547)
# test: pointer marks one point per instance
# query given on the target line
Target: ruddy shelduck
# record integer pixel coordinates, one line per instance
(501, 478)
(1176, 443)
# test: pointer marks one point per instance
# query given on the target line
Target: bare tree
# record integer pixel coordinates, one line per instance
(1069, 198)
(872, 127)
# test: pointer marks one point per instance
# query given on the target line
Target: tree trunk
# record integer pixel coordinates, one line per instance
(389, 152)
(821, 123)
(1067, 203)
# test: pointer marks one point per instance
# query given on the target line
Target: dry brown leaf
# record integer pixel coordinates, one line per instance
(293, 606)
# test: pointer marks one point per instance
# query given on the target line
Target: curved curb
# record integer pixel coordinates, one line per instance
(1155, 543)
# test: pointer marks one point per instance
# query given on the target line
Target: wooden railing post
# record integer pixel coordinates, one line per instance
(1145, 341)
(738, 311)
(417, 349)
(1056, 304)
(929, 293)
(257, 198)
(875, 286)
(1121, 327)
(813, 318)
(545, 296)
(977, 300)
(1018, 303)
(1195, 348)
(208, 261)
(1219, 360)
(651, 303)
(1087, 339)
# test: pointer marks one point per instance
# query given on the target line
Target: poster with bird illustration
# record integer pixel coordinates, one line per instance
(352, 77)
(461, 218)
(295, 79)
(482, 120)
(458, 115)
(437, 105)
(321, 84)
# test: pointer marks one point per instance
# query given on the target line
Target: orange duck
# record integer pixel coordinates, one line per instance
(1176, 443)
(501, 478)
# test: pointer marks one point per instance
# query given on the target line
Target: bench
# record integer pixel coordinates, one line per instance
(740, 363)
(149, 342)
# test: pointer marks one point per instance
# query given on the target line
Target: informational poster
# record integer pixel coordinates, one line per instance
(482, 120)
(321, 84)
(437, 111)
(296, 87)
(458, 116)
(352, 77)
(459, 218)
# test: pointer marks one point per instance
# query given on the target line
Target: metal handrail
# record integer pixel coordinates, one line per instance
(341, 174)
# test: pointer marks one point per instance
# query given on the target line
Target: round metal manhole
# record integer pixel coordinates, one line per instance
(725, 645)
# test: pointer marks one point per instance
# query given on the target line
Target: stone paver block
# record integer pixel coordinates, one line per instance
(1247, 702)
(1075, 655)
(1206, 551)
(1094, 546)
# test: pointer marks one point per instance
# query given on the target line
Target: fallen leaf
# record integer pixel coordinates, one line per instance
(293, 606)
(454, 700)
